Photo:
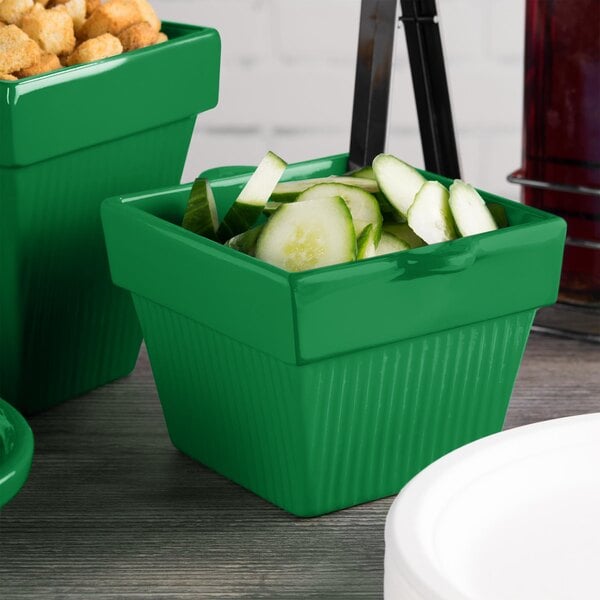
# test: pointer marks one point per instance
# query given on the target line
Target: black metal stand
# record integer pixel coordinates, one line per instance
(370, 119)
(373, 76)
(564, 319)
(426, 56)
(373, 80)
(571, 321)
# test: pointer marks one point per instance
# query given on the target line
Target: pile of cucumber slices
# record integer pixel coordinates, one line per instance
(384, 208)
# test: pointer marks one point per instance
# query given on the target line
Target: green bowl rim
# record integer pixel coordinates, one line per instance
(14, 469)
(537, 218)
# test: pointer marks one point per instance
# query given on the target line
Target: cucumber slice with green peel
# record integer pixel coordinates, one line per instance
(365, 244)
(389, 243)
(363, 206)
(253, 197)
(284, 197)
(384, 204)
(403, 232)
(246, 242)
(290, 190)
(308, 235)
(468, 208)
(398, 181)
(430, 216)
(363, 173)
(271, 207)
(201, 212)
(499, 213)
(396, 216)
(385, 207)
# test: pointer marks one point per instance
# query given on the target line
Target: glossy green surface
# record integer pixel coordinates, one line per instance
(480, 277)
(115, 127)
(80, 106)
(222, 172)
(16, 452)
(324, 389)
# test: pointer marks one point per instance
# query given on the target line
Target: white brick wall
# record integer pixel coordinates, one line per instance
(288, 75)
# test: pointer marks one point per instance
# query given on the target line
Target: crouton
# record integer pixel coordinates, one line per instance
(48, 62)
(137, 36)
(17, 50)
(51, 29)
(12, 11)
(99, 47)
(77, 10)
(149, 15)
(91, 6)
(112, 17)
(7, 77)
(161, 37)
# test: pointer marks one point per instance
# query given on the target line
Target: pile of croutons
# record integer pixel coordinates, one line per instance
(37, 37)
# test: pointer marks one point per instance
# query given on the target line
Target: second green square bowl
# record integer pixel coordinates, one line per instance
(69, 139)
(325, 389)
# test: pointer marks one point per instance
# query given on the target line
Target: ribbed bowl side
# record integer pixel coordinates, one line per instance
(339, 432)
(230, 407)
(379, 416)
(71, 328)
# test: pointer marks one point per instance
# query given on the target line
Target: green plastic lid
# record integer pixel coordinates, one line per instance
(16, 452)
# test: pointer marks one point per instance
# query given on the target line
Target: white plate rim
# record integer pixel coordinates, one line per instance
(409, 507)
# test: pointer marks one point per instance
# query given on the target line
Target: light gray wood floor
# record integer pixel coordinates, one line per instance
(112, 510)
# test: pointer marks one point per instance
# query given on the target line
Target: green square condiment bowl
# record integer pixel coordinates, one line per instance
(69, 139)
(332, 387)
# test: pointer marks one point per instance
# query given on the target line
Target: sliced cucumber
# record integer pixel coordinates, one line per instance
(469, 210)
(430, 216)
(365, 244)
(403, 232)
(271, 207)
(395, 215)
(201, 212)
(363, 206)
(387, 209)
(384, 204)
(499, 213)
(364, 173)
(252, 199)
(389, 243)
(398, 181)
(290, 190)
(307, 235)
(246, 242)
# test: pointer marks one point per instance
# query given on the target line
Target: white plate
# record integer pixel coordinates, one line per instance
(515, 516)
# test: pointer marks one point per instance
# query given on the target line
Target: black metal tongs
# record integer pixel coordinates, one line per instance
(378, 24)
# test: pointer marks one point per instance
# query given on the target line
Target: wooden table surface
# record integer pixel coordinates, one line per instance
(112, 510)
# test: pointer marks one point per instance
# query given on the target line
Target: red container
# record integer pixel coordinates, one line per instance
(561, 134)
